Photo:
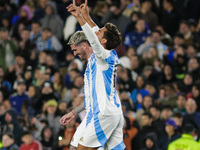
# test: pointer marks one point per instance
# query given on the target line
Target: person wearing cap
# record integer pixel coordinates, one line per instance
(186, 142)
(170, 129)
(51, 115)
(17, 99)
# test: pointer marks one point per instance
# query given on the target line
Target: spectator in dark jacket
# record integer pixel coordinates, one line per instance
(12, 126)
(170, 17)
(146, 128)
(170, 129)
(151, 142)
(47, 140)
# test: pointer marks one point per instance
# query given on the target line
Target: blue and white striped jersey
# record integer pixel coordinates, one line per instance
(100, 78)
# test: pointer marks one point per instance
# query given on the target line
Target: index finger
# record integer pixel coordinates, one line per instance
(74, 2)
(86, 2)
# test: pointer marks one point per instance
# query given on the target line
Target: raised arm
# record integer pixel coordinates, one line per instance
(85, 12)
(92, 37)
(73, 9)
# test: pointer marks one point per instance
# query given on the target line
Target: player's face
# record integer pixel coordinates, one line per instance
(78, 50)
(100, 33)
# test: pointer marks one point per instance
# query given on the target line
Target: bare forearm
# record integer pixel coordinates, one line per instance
(80, 20)
(79, 109)
(89, 20)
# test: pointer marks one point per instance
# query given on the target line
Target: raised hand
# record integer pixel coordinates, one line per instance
(73, 9)
(67, 118)
(84, 8)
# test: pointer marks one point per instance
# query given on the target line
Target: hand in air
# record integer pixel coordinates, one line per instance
(67, 118)
(73, 9)
(84, 8)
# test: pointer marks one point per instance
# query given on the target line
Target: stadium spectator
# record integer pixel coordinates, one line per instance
(12, 126)
(35, 31)
(17, 99)
(48, 41)
(52, 20)
(29, 142)
(8, 142)
(47, 140)
(170, 129)
(148, 15)
(137, 37)
(151, 142)
(186, 140)
(7, 49)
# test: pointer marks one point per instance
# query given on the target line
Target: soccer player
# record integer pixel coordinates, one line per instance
(102, 126)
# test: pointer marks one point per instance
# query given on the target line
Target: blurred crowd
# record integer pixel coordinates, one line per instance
(158, 76)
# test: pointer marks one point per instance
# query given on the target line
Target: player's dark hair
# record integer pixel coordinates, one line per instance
(112, 35)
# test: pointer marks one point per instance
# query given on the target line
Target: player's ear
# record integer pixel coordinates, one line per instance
(84, 45)
(103, 41)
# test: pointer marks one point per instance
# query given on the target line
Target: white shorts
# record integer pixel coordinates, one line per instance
(103, 131)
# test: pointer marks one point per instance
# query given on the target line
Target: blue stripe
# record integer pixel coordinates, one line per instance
(107, 74)
(89, 117)
(99, 131)
(121, 146)
(94, 94)
(107, 80)
(115, 101)
(89, 114)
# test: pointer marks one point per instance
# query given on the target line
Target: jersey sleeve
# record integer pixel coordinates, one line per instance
(100, 52)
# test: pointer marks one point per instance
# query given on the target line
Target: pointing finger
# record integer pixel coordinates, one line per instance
(74, 2)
